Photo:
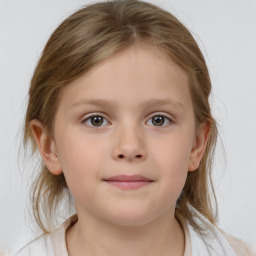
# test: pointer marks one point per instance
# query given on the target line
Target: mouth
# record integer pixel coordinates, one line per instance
(128, 182)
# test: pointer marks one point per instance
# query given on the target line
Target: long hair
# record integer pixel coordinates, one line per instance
(91, 35)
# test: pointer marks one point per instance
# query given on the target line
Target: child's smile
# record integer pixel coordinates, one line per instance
(125, 137)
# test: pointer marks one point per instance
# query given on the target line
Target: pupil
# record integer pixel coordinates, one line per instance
(158, 120)
(96, 120)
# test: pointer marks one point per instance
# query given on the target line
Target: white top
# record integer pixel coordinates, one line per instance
(217, 243)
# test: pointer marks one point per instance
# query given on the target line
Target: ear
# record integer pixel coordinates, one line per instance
(199, 146)
(46, 146)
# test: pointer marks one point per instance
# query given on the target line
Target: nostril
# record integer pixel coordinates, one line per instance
(137, 156)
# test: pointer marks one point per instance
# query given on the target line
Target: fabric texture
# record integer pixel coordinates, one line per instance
(215, 243)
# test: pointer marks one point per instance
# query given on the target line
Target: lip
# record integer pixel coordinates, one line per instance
(128, 182)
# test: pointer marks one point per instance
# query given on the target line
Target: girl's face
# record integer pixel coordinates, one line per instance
(125, 137)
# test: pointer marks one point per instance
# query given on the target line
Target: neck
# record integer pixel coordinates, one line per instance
(91, 236)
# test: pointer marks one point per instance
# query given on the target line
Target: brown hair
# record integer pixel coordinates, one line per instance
(91, 35)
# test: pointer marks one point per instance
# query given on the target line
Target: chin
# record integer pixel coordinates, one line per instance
(131, 218)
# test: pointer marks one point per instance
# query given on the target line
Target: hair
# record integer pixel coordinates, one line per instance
(91, 35)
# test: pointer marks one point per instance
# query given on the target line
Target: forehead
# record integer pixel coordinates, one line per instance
(136, 74)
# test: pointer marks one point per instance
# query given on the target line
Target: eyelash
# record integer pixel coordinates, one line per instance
(88, 118)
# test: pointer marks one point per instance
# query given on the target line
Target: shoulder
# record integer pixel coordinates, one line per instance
(213, 241)
(39, 246)
(240, 247)
(53, 244)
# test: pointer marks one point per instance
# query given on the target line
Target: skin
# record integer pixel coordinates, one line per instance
(111, 220)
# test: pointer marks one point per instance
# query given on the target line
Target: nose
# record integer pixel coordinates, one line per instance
(129, 145)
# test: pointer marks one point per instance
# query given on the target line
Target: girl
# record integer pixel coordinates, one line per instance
(118, 109)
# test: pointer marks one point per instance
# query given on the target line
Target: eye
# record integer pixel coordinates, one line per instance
(95, 121)
(159, 120)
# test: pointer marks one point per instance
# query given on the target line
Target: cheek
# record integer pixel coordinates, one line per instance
(172, 153)
(81, 159)
(171, 159)
(79, 150)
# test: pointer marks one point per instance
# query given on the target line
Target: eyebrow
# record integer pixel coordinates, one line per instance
(113, 103)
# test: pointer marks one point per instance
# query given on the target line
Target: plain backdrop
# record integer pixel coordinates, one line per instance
(226, 33)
